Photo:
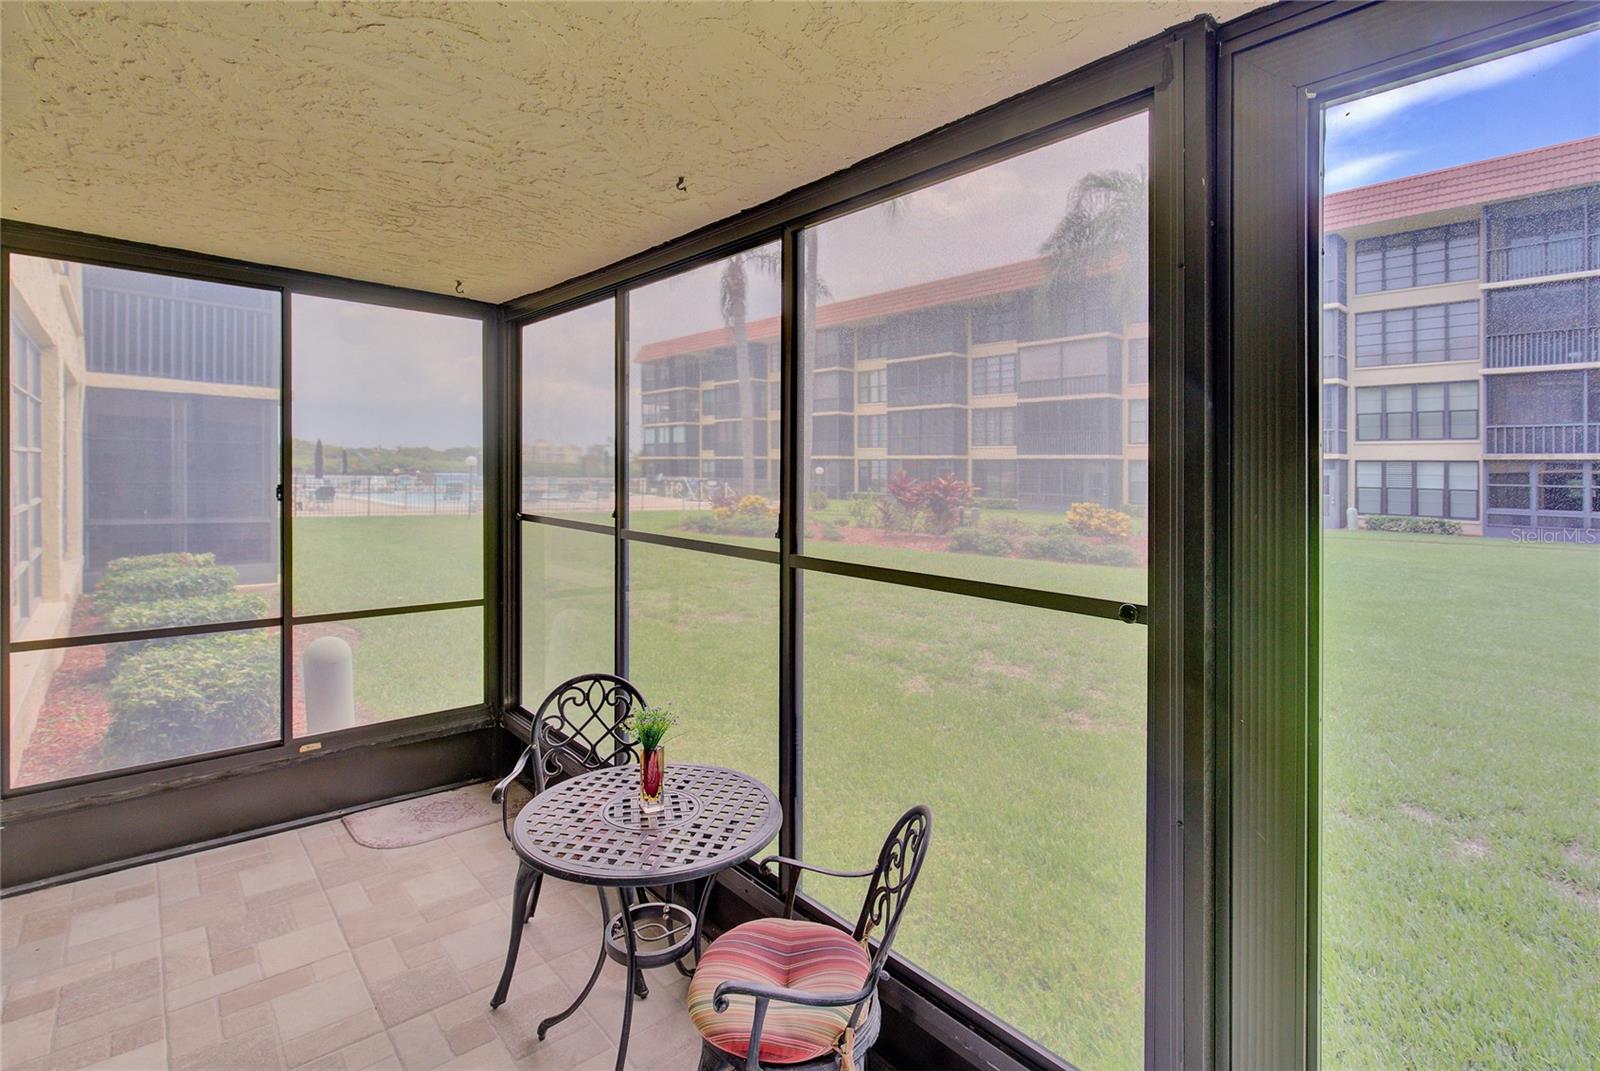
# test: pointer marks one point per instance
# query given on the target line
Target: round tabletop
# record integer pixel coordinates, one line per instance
(589, 828)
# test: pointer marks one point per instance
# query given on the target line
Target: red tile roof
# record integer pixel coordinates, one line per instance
(1004, 279)
(1573, 163)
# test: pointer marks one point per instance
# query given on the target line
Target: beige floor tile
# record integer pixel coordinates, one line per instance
(420, 1044)
(331, 1038)
(27, 1038)
(320, 1004)
(299, 948)
(307, 951)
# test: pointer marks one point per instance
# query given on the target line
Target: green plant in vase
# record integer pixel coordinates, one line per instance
(647, 727)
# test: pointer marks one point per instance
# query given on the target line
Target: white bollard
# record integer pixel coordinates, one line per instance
(330, 685)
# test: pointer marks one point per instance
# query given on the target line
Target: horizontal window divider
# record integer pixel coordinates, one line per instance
(384, 611)
(568, 522)
(1133, 613)
(54, 797)
(728, 550)
(132, 635)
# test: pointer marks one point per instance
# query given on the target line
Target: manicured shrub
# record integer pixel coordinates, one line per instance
(831, 532)
(157, 561)
(818, 501)
(862, 508)
(728, 522)
(164, 582)
(166, 613)
(1054, 543)
(204, 693)
(977, 541)
(196, 610)
(1093, 519)
(1012, 528)
(1110, 554)
(1418, 525)
(995, 503)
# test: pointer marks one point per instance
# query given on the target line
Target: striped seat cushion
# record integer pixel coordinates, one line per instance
(780, 952)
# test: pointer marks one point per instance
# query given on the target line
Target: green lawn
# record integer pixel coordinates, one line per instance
(1461, 803)
(1461, 859)
(406, 664)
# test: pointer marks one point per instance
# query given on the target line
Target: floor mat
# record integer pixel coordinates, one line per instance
(417, 821)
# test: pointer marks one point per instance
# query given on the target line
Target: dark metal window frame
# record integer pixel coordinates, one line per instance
(1169, 78)
(1275, 71)
(54, 797)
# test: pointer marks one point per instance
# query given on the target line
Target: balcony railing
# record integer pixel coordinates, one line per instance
(1335, 441)
(1542, 439)
(1530, 349)
(1558, 256)
(1086, 442)
(181, 338)
(1068, 386)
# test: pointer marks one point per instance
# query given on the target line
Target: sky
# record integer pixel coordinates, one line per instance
(370, 375)
(1541, 96)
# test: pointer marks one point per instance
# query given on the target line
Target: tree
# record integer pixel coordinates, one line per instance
(735, 294)
(1105, 231)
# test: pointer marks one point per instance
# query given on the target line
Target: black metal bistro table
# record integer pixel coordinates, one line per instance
(589, 829)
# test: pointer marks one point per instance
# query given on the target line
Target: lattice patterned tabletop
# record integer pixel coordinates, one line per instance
(589, 828)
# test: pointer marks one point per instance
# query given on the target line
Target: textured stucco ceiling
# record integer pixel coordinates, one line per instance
(509, 146)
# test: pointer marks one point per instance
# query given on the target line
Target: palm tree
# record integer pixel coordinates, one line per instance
(1106, 226)
(735, 295)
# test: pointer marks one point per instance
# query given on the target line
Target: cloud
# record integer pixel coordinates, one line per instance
(1361, 170)
(1356, 116)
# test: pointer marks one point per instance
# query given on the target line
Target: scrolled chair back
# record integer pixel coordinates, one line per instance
(899, 862)
(581, 723)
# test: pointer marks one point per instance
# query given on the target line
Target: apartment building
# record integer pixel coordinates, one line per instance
(1037, 394)
(144, 419)
(1461, 347)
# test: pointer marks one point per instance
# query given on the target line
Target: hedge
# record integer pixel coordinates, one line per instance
(192, 696)
(167, 613)
(1420, 525)
(977, 541)
(144, 585)
(157, 561)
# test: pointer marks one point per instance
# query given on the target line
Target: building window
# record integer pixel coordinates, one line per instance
(872, 475)
(1334, 269)
(1139, 360)
(1335, 414)
(831, 435)
(1085, 426)
(1419, 335)
(1092, 366)
(1417, 258)
(994, 427)
(1139, 420)
(835, 348)
(935, 381)
(1138, 483)
(995, 375)
(720, 402)
(872, 432)
(1544, 494)
(1552, 234)
(928, 431)
(1418, 489)
(995, 479)
(27, 490)
(998, 321)
(831, 392)
(871, 388)
(1548, 324)
(1418, 411)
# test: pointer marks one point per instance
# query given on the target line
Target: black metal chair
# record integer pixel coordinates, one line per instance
(578, 727)
(827, 1016)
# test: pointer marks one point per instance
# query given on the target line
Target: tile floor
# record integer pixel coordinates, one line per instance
(306, 950)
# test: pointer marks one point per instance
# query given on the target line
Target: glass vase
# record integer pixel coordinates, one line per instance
(652, 781)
